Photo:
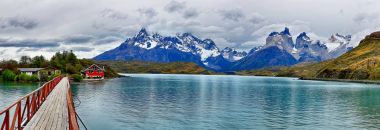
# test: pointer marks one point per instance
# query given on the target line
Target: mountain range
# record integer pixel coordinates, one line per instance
(279, 50)
(361, 63)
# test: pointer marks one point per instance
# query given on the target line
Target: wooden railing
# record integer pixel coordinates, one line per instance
(73, 123)
(25, 107)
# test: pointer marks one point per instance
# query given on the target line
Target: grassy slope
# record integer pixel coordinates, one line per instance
(150, 67)
(360, 63)
(299, 70)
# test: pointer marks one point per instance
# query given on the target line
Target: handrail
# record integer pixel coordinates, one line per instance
(73, 122)
(29, 103)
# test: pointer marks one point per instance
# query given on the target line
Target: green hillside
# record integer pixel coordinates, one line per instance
(360, 63)
(298, 70)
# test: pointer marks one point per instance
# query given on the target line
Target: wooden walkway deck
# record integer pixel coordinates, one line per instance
(53, 113)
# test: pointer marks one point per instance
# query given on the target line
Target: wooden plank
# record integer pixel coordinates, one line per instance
(46, 114)
(53, 112)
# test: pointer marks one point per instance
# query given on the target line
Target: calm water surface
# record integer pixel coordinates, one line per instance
(148, 101)
(10, 92)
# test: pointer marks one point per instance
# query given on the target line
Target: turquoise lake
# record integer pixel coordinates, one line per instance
(159, 101)
(10, 92)
(187, 102)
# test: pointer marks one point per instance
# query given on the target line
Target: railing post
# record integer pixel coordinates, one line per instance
(17, 116)
(33, 102)
(6, 121)
(19, 119)
(27, 104)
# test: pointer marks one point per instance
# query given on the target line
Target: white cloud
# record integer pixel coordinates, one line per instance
(104, 24)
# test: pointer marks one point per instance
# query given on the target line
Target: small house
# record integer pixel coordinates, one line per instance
(94, 72)
(31, 71)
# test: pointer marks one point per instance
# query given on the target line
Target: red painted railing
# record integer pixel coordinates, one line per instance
(25, 107)
(73, 123)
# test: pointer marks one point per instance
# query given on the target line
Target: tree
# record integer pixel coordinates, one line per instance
(39, 62)
(10, 65)
(71, 58)
(25, 61)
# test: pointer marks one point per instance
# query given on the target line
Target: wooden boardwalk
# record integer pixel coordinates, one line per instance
(53, 113)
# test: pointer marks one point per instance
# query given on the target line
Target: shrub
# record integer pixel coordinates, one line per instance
(8, 75)
(77, 77)
(53, 76)
(24, 77)
(34, 78)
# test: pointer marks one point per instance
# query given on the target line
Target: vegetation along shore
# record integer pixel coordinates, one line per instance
(38, 68)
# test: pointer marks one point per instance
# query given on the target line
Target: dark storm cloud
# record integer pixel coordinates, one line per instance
(32, 43)
(82, 49)
(113, 14)
(75, 49)
(28, 49)
(78, 39)
(233, 14)
(107, 40)
(148, 12)
(18, 22)
(190, 13)
(175, 6)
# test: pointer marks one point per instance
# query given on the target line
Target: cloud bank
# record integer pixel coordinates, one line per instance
(91, 27)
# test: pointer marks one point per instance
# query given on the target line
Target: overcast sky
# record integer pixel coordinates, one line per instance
(89, 27)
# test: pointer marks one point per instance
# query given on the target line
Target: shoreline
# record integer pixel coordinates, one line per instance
(343, 80)
(299, 78)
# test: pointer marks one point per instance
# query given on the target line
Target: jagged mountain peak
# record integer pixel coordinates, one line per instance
(338, 38)
(142, 33)
(209, 42)
(186, 47)
(228, 49)
(304, 36)
(273, 34)
(286, 31)
(188, 36)
(231, 54)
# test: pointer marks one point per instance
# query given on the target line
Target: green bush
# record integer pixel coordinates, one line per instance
(9, 75)
(34, 78)
(53, 76)
(24, 77)
(77, 77)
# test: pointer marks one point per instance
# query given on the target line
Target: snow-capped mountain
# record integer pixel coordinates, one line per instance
(231, 54)
(282, 40)
(307, 49)
(338, 44)
(156, 48)
(279, 50)
(304, 49)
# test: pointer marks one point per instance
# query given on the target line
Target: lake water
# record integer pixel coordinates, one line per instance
(158, 101)
(155, 101)
(10, 92)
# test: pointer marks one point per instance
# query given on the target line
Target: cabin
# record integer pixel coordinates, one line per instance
(93, 72)
(51, 71)
(31, 71)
